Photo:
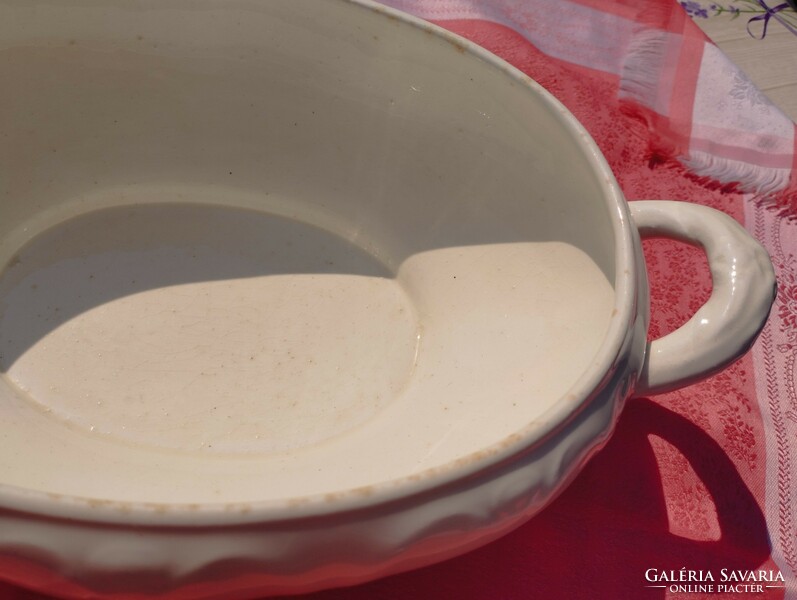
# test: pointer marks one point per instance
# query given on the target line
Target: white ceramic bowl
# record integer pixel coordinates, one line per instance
(303, 293)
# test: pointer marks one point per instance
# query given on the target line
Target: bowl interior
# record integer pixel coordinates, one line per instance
(266, 250)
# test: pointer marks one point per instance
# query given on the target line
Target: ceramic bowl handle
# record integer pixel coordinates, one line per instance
(743, 291)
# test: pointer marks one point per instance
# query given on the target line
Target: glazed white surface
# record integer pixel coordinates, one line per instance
(406, 162)
(236, 349)
(196, 328)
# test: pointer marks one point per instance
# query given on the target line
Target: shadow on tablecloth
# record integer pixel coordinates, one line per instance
(597, 540)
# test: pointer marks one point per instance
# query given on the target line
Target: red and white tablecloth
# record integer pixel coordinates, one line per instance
(702, 480)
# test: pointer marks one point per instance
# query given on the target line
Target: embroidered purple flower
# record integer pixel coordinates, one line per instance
(694, 9)
(718, 9)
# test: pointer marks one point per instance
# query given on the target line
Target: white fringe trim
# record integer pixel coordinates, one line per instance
(640, 76)
(641, 82)
(754, 179)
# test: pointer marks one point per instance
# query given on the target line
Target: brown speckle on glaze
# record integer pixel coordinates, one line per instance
(511, 440)
(157, 507)
(298, 501)
(97, 503)
(366, 490)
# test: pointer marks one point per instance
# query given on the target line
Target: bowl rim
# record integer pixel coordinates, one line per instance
(552, 422)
